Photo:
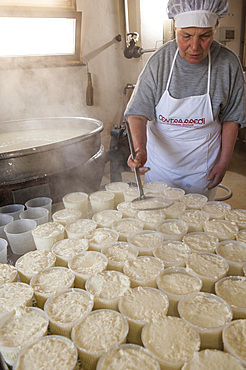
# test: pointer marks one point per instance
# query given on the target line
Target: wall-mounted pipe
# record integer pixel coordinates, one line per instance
(126, 18)
(86, 58)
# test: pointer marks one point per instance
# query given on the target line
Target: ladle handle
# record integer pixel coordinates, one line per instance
(136, 170)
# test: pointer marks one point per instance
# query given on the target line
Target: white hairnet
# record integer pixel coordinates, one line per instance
(196, 13)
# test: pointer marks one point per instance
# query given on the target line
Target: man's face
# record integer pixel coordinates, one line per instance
(194, 43)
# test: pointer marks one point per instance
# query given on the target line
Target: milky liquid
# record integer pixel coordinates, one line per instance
(19, 140)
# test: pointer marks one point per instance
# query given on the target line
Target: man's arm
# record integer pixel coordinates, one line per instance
(228, 140)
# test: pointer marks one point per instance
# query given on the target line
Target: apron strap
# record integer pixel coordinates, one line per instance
(209, 71)
(171, 70)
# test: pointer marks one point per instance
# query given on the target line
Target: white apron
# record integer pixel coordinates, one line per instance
(183, 144)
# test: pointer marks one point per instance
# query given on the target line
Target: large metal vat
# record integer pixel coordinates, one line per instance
(26, 164)
(78, 161)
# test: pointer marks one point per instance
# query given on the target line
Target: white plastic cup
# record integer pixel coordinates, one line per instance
(194, 201)
(180, 227)
(107, 217)
(173, 253)
(5, 219)
(77, 200)
(126, 209)
(118, 253)
(146, 241)
(126, 226)
(233, 252)
(216, 209)
(12, 210)
(130, 194)
(233, 329)
(151, 305)
(38, 347)
(209, 276)
(63, 325)
(165, 346)
(194, 219)
(49, 281)
(101, 200)
(118, 189)
(3, 250)
(222, 229)
(238, 292)
(121, 356)
(19, 235)
(174, 194)
(46, 235)
(211, 336)
(155, 187)
(39, 214)
(86, 264)
(187, 287)
(143, 271)
(113, 285)
(89, 358)
(10, 354)
(43, 202)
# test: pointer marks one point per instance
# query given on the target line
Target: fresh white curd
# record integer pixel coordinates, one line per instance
(8, 273)
(32, 262)
(49, 352)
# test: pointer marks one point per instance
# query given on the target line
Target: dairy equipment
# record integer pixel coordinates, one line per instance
(69, 164)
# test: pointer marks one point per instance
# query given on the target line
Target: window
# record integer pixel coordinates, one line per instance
(40, 3)
(39, 33)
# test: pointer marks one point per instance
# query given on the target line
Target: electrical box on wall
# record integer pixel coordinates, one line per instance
(227, 34)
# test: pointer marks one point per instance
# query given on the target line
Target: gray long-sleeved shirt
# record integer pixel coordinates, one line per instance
(226, 85)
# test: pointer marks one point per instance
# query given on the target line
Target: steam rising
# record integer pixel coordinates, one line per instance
(74, 164)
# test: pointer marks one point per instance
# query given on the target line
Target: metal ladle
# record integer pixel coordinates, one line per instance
(144, 202)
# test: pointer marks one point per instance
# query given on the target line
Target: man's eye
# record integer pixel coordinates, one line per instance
(186, 37)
